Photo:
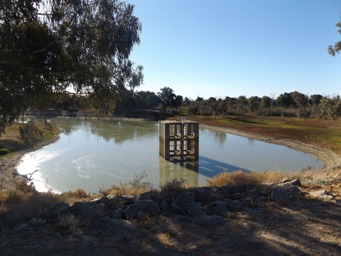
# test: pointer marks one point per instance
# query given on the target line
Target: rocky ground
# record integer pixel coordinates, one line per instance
(294, 217)
(277, 219)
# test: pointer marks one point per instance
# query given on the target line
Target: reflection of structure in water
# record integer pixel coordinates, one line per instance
(187, 170)
(179, 141)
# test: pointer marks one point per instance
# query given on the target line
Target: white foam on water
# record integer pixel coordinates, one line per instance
(30, 165)
(84, 165)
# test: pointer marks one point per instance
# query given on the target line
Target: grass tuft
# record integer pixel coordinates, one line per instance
(238, 178)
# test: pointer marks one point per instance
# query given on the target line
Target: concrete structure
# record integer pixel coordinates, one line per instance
(179, 141)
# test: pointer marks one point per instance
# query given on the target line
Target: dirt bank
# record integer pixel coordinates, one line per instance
(9, 176)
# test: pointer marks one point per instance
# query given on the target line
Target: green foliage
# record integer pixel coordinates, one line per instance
(337, 46)
(47, 46)
(5, 151)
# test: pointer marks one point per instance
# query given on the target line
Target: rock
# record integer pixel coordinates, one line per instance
(214, 196)
(217, 208)
(225, 191)
(205, 194)
(209, 220)
(59, 210)
(168, 208)
(140, 208)
(181, 218)
(104, 223)
(36, 222)
(320, 194)
(234, 205)
(284, 192)
(84, 211)
(165, 204)
(195, 210)
(184, 200)
(117, 214)
(150, 196)
(295, 182)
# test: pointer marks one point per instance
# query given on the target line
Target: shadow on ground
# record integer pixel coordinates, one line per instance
(297, 226)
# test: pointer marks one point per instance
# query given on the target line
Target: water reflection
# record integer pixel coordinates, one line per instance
(219, 137)
(188, 170)
(114, 131)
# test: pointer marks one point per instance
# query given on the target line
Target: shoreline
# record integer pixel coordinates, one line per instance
(9, 175)
(331, 161)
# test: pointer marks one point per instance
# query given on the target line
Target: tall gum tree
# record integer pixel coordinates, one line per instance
(47, 46)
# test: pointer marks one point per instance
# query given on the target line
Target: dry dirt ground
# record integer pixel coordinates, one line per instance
(304, 225)
(301, 226)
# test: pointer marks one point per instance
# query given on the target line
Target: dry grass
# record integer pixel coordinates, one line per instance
(22, 207)
(78, 195)
(240, 178)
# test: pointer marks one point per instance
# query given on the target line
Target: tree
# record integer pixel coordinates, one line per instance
(315, 99)
(254, 103)
(47, 46)
(337, 46)
(330, 108)
(167, 97)
(178, 102)
(284, 100)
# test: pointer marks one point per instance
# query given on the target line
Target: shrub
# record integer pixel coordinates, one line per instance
(172, 188)
(138, 182)
(25, 187)
(15, 197)
(238, 178)
(5, 151)
(23, 207)
(30, 133)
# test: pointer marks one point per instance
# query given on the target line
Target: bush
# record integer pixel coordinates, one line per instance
(172, 188)
(30, 133)
(238, 178)
(5, 151)
(138, 182)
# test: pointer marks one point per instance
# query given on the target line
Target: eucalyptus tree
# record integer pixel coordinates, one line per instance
(336, 48)
(47, 46)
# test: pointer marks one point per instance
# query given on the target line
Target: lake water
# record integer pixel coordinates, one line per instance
(94, 155)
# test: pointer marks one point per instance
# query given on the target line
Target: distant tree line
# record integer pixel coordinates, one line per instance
(286, 104)
(293, 104)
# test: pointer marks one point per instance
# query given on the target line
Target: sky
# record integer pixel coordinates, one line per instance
(219, 48)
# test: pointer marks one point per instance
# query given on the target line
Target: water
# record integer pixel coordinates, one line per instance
(95, 155)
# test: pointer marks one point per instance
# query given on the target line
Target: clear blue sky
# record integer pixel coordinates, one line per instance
(219, 48)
